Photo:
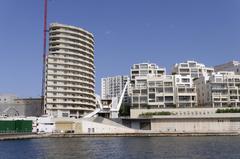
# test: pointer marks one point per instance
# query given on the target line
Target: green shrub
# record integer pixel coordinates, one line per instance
(150, 114)
(232, 110)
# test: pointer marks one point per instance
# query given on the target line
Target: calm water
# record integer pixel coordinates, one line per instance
(124, 148)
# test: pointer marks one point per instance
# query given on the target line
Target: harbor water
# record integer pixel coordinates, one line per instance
(205, 147)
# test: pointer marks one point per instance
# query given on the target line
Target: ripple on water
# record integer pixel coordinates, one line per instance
(219, 147)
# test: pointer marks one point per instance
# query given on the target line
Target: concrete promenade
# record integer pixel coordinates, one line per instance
(140, 134)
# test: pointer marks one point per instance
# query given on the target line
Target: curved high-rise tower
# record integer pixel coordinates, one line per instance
(70, 77)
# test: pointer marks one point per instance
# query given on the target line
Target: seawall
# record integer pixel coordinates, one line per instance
(39, 136)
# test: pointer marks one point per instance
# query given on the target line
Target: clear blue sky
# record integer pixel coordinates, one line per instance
(126, 32)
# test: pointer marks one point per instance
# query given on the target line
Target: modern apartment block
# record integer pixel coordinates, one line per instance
(192, 68)
(113, 86)
(186, 94)
(221, 89)
(146, 69)
(70, 74)
(153, 92)
(153, 89)
(229, 66)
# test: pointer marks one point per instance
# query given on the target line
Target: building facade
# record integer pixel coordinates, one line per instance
(152, 92)
(146, 69)
(192, 68)
(70, 74)
(185, 92)
(113, 86)
(221, 89)
(229, 66)
(11, 105)
(153, 89)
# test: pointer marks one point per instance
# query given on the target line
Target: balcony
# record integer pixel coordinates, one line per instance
(74, 44)
(74, 59)
(62, 53)
(70, 86)
(70, 80)
(89, 78)
(71, 34)
(74, 50)
(71, 97)
(70, 103)
(61, 67)
(70, 108)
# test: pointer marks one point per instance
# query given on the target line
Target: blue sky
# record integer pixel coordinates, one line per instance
(164, 32)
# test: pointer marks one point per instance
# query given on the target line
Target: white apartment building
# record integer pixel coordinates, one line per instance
(229, 66)
(221, 89)
(157, 90)
(70, 75)
(153, 92)
(146, 69)
(185, 91)
(192, 68)
(112, 86)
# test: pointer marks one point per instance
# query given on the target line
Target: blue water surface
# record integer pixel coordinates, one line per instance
(219, 147)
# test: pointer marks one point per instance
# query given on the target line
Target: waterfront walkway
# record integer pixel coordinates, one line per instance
(143, 134)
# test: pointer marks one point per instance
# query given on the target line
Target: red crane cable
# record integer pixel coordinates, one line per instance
(44, 51)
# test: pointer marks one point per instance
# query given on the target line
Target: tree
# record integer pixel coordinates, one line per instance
(124, 110)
